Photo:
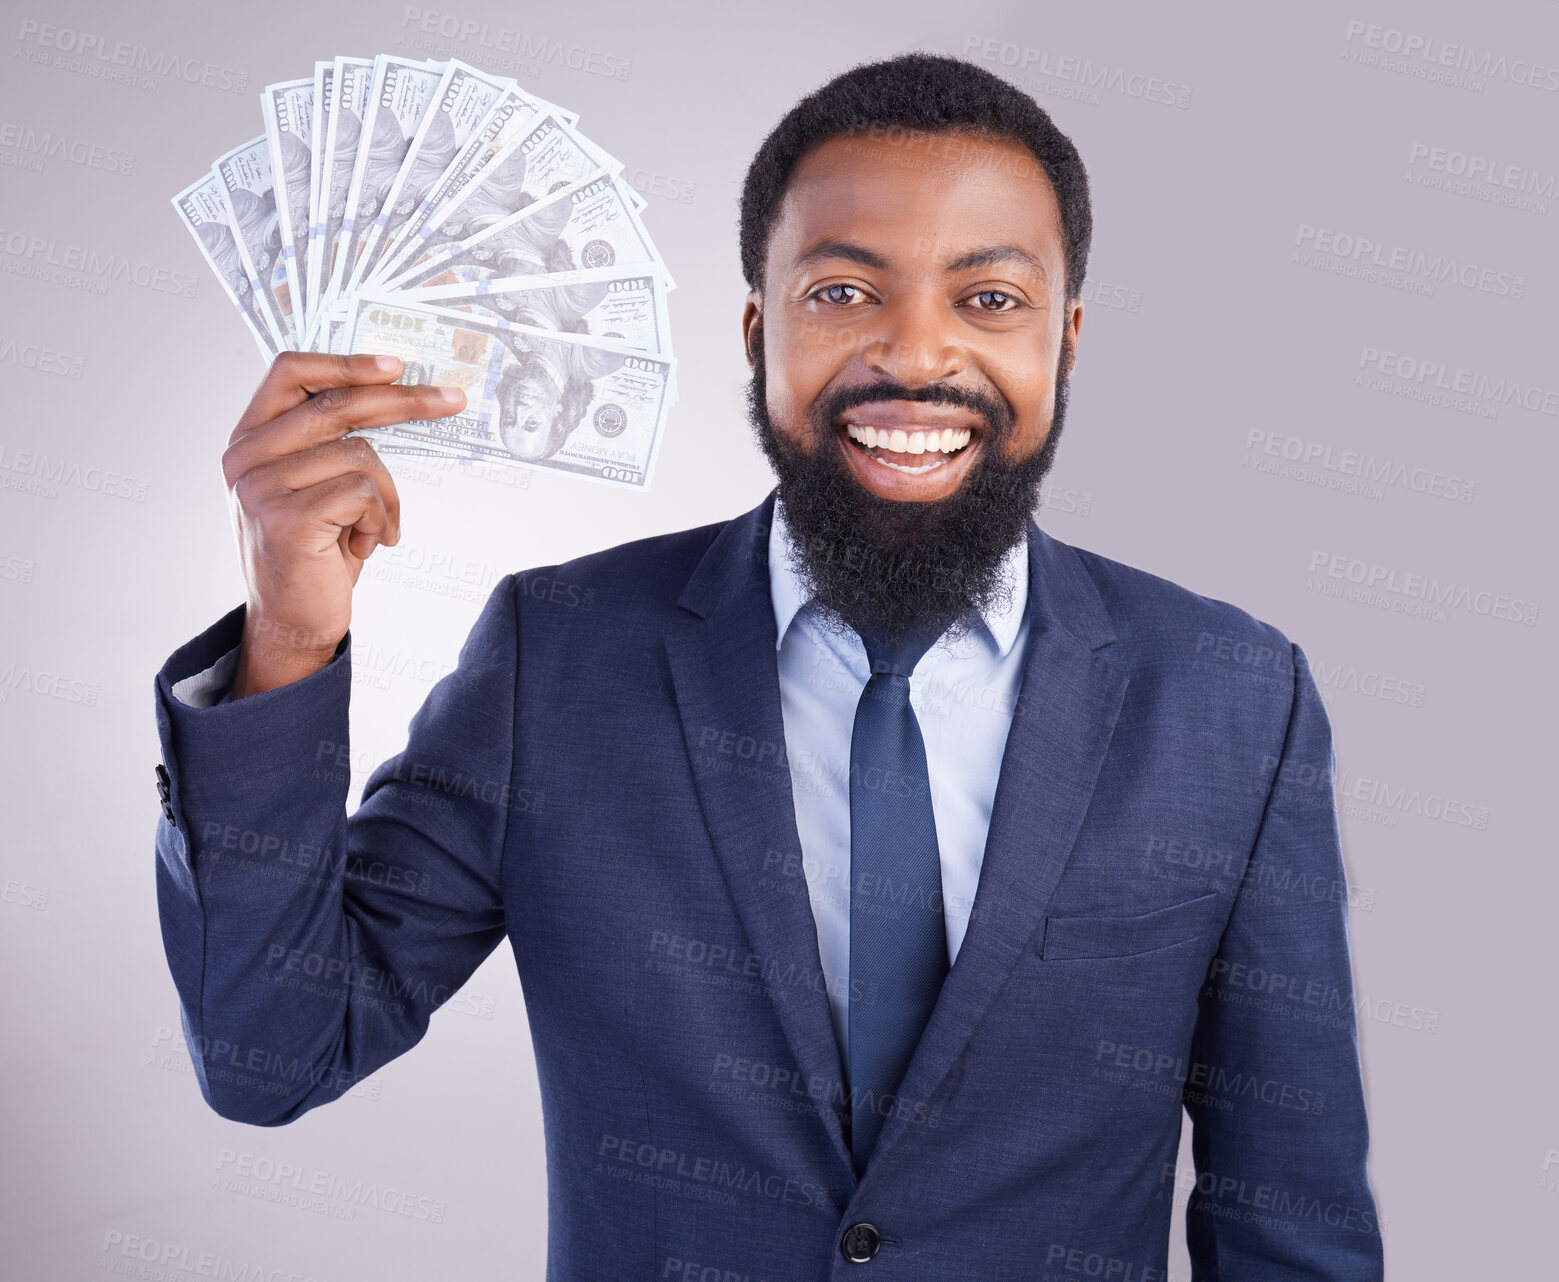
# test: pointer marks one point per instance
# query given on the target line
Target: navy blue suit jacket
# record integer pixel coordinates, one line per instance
(1160, 926)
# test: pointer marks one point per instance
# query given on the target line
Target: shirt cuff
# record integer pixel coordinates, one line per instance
(211, 687)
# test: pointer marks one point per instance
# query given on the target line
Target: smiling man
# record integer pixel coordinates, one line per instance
(887, 879)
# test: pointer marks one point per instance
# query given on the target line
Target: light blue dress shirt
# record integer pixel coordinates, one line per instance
(964, 695)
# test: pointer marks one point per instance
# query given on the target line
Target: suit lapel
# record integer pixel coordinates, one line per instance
(1068, 703)
(724, 667)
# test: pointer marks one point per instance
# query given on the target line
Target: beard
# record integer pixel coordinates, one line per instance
(894, 567)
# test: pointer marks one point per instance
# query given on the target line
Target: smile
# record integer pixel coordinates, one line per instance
(896, 446)
(908, 451)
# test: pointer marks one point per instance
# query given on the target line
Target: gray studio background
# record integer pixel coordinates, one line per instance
(1269, 285)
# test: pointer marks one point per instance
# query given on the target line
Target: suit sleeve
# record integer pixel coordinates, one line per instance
(1274, 1089)
(308, 947)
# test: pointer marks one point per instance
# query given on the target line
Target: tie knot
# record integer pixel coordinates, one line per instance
(898, 655)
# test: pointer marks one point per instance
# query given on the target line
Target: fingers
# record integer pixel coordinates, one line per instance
(360, 544)
(320, 514)
(333, 412)
(290, 473)
(295, 376)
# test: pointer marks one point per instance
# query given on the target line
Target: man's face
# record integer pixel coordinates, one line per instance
(916, 289)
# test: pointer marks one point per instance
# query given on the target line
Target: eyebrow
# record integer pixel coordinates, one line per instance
(984, 257)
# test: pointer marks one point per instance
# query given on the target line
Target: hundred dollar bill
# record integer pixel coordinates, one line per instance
(551, 400)
(203, 208)
(588, 224)
(329, 331)
(510, 112)
(351, 80)
(515, 158)
(245, 175)
(461, 103)
(324, 94)
(288, 111)
(401, 94)
(607, 303)
(324, 91)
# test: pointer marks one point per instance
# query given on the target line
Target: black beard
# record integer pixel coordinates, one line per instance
(891, 566)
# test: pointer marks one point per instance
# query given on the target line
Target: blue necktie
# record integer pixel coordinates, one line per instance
(898, 943)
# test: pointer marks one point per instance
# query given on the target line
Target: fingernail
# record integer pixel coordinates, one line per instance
(387, 363)
(452, 394)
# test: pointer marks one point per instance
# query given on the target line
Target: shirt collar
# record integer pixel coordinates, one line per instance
(789, 592)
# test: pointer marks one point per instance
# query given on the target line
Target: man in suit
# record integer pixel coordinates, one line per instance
(830, 972)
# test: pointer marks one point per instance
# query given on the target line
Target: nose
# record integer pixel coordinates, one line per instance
(916, 339)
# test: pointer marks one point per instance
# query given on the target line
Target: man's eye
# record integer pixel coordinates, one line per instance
(998, 294)
(829, 289)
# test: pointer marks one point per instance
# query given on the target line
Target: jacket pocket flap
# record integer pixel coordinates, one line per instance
(1066, 938)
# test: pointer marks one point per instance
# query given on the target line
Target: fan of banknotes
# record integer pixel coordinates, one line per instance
(430, 211)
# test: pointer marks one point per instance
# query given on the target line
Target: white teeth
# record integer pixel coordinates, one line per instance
(923, 441)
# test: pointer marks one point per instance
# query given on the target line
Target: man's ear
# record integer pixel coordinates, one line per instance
(1074, 321)
(752, 316)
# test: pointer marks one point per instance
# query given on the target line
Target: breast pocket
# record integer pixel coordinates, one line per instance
(1075, 938)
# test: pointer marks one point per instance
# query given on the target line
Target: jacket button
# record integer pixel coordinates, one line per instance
(162, 781)
(860, 1242)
